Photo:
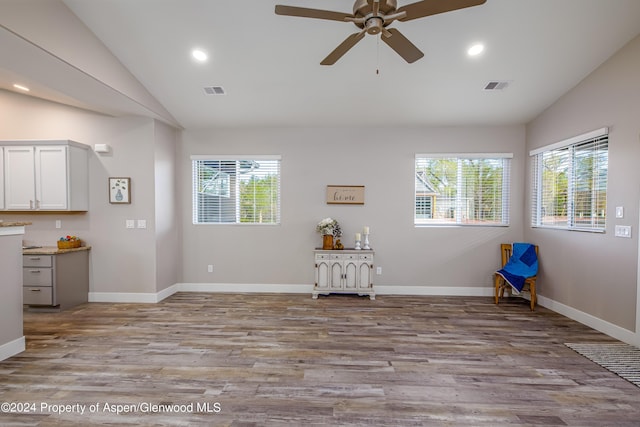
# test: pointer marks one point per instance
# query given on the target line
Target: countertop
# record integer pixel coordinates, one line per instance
(14, 223)
(52, 250)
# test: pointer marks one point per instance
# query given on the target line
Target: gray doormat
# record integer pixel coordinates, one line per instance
(619, 358)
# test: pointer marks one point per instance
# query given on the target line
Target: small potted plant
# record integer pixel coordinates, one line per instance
(328, 228)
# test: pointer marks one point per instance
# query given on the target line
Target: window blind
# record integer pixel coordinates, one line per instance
(570, 183)
(462, 189)
(236, 189)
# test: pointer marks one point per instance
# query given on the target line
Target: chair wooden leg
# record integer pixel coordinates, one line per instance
(534, 297)
(496, 296)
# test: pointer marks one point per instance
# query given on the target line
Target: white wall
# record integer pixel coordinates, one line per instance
(122, 260)
(380, 159)
(167, 231)
(597, 273)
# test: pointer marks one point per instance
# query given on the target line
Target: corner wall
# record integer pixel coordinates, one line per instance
(595, 273)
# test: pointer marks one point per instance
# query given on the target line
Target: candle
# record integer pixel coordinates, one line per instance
(357, 236)
(365, 230)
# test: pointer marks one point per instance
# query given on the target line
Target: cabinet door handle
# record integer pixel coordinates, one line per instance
(36, 290)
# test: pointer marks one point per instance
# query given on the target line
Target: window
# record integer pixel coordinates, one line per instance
(570, 183)
(236, 190)
(462, 189)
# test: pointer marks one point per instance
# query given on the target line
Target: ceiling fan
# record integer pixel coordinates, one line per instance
(374, 16)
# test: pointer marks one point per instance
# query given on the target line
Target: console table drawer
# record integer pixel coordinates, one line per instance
(37, 295)
(33, 276)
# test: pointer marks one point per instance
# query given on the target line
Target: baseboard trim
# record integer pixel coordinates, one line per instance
(245, 288)
(12, 348)
(596, 323)
(126, 297)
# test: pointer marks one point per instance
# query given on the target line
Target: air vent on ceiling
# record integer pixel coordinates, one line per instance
(214, 90)
(496, 85)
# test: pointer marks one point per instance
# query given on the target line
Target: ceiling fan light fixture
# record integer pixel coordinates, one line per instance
(374, 25)
(476, 49)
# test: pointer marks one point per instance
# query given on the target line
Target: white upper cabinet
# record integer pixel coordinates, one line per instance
(19, 178)
(45, 176)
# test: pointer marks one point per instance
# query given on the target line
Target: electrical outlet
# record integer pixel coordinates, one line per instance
(142, 223)
(210, 268)
(58, 223)
(378, 270)
(130, 223)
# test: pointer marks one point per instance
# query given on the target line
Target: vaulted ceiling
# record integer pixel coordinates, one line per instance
(269, 65)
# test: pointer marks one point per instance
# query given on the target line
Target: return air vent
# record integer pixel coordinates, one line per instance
(214, 90)
(496, 85)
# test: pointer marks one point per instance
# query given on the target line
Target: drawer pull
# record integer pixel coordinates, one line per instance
(35, 258)
(35, 271)
(36, 290)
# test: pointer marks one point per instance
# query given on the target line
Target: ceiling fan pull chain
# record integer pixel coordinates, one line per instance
(378, 54)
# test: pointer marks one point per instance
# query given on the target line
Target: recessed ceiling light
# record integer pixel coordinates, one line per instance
(23, 88)
(199, 55)
(476, 49)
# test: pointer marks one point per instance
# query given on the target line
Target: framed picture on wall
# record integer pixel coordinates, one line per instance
(119, 190)
(345, 194)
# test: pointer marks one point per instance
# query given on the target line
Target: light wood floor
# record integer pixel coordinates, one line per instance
(288, 360)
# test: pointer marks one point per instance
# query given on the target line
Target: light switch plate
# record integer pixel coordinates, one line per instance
(130, 223)
(142, 223)
(623, 231)
(619, 212)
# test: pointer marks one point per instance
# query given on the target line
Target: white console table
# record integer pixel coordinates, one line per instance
(346, 271)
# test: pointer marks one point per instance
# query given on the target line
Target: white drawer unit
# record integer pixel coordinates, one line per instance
(37, 280)
(344, 272)
(59, 280)
(38, 295)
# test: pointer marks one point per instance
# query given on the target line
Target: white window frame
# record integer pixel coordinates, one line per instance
(230, 215)
(459, 219)
(570, 147)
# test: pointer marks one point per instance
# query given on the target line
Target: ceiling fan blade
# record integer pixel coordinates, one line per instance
(402, 45)
(311, 13)
(347, 44)
(433, 7)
